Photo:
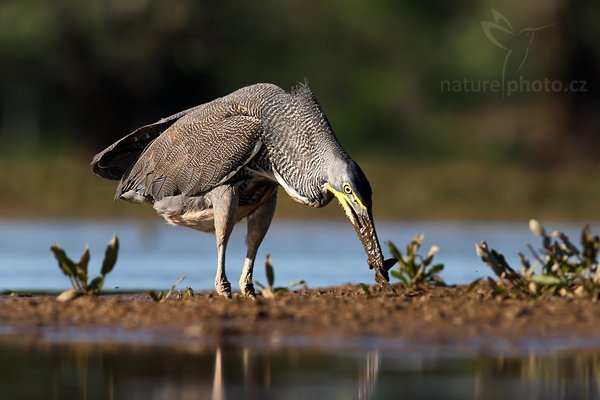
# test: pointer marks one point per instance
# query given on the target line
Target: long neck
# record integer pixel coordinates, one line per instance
(300, 146)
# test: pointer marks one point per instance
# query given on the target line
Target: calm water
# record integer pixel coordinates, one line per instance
(154, 255)
(47, 368)
(109, 364)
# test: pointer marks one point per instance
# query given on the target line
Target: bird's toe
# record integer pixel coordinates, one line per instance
(224, 290)
(248, 291)
(225, 295)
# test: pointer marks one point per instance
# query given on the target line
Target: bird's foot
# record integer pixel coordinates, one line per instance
(223, 289)
(248, 291)
(382, 277)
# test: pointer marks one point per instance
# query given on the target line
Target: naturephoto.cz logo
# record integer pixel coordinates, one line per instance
(516, 46)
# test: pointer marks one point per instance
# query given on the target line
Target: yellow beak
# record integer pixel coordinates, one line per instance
(362, 220)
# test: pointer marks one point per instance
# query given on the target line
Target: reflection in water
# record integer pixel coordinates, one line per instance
(367, 380)
(38, 370)
(218, 391)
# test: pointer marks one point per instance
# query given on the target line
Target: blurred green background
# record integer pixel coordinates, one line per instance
(75, 76)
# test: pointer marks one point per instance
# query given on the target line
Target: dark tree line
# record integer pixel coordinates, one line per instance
(78, 73)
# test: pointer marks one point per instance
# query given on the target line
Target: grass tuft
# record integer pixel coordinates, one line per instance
(415, 270)
(271, 291)
(161, 296)
(559, 267)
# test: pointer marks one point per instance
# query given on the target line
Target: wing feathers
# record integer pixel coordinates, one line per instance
(114, 161)
(195, 154)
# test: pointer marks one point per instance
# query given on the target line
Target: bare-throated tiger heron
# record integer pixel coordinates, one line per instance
(212, 165)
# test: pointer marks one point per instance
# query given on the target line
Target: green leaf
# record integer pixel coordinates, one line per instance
(96, 284)
(189, 293)
(157, 297)
(110, 256)
(84, 260)
(417, 277)
(435, 269)
(493, 259)
(546, 279)
(296, 283)
(181, 279)
(418, 239)
(65, 263)
(573, 250)
(394, 251)
(82, 278)
(525, 263)
(413, 268)
(436, 280)
(472, 286)
(413, 247)
(170, 292)
(269, 271)
(280, 290)
(403, 265)
(546, 242)
(365, 289)
(428, 260)
(399, 275)
(590, 245)
(495, 287)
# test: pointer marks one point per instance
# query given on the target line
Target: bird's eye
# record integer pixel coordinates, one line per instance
(347, 188)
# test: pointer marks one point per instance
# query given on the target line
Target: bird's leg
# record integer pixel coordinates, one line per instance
(225, 203)
(258, 224)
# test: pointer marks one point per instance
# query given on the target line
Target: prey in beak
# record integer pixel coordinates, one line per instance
(361, 218)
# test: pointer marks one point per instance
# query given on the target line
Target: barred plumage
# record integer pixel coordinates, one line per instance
(210, 166)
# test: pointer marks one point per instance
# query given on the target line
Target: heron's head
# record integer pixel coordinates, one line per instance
(351, 188)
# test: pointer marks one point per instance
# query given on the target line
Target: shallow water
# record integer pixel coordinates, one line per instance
(75, 363)
(154, 255)
(52, 369)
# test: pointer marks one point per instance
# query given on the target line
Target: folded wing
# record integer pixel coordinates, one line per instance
(201, 149)
(116, 159)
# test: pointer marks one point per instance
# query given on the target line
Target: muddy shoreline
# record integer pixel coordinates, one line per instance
(436, 316)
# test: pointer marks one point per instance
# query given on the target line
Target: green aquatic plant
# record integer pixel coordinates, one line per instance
(271, 291)
(558, 267)
(415, 270)
(365, 289)
(187, 294)
(78, 272)
(161, 296)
